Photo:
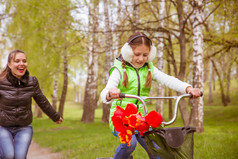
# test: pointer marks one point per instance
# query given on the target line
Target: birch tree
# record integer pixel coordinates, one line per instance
(136, 15)
(90, 96)
(55, 90)
(109, 57)
(65, 82)
(160, 90)
(117, 34)
(196, 117)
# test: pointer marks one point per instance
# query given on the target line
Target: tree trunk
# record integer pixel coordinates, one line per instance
(170, 103)
(108, 51)
(136, 15)
(182, 45)
(55, 91)
(170, 60)
(228, 99)
(231, 61)
(160, 89)
(223, 97)
(118, 33)
(196, 117)
(210, 97)
(171, 55)
(90, 96)
(65, 85)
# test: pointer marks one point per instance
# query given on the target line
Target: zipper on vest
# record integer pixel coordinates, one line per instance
(19, 83)
(138, 93)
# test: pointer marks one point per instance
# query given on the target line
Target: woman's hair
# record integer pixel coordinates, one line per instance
(135, 40)
(11, 56)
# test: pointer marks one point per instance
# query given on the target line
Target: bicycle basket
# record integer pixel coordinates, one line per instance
(174, 143)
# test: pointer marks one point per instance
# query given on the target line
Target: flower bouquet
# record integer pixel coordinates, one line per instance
(127, 121)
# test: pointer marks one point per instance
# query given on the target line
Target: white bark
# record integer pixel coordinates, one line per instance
(136, 12)
(117, 28)
(90, 98)
(160, 90)
(108, 40)
(56, 88)
(109, 57)
(197, 104)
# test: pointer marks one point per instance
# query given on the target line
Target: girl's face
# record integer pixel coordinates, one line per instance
(18, 65)
(140, 56)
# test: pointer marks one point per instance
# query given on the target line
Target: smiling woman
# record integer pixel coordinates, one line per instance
(17, 88)
(18, 64)
(13, 61)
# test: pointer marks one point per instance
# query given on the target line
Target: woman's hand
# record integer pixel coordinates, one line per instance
(113, 93)
(195, 92)
(59, 121)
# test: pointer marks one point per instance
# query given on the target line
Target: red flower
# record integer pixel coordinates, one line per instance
(138, 122)
(120, 120)
(118, 123)
(119, 112)
(130, 109)
(154, 119)
(135, 120)
(125, 137)
(128, 120)
(143, 127)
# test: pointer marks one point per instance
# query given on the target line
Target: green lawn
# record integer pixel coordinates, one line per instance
(76, 140)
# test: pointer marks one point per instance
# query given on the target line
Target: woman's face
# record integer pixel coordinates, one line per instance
(18, 65)
(140, 56)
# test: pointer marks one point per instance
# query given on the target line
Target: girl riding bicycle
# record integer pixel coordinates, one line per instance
(132, 73)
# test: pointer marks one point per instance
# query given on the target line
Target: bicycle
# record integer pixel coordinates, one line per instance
(168, 143)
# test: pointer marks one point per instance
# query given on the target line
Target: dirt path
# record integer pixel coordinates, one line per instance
(37, 152)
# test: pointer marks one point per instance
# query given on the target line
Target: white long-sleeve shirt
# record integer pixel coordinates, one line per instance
(162, 78)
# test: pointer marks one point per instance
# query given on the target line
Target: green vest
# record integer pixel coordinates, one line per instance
(136, 82)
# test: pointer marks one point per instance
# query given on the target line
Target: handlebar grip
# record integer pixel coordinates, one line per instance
(122, 95)
(201, 94)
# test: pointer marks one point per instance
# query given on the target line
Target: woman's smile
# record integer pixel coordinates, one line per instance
(18, 65)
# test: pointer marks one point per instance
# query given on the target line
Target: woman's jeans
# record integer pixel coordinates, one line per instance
(15, 141)
(124, 152)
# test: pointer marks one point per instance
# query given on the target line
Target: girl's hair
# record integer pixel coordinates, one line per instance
(11, 56)
(135, 40)
(139, 38)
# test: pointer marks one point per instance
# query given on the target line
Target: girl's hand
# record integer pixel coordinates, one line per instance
(113, 93)
(195, 92)
(59, 121)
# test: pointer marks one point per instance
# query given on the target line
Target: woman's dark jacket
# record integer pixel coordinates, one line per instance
(16, 99)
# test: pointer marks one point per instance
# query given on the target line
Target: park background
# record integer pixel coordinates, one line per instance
(71, 45)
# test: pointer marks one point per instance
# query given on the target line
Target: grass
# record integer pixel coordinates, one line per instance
(220, 138)
(76, 140)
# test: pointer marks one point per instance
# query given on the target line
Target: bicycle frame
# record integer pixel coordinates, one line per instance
(141, 99)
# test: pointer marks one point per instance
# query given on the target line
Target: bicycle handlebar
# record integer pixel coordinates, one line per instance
(141, 99)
